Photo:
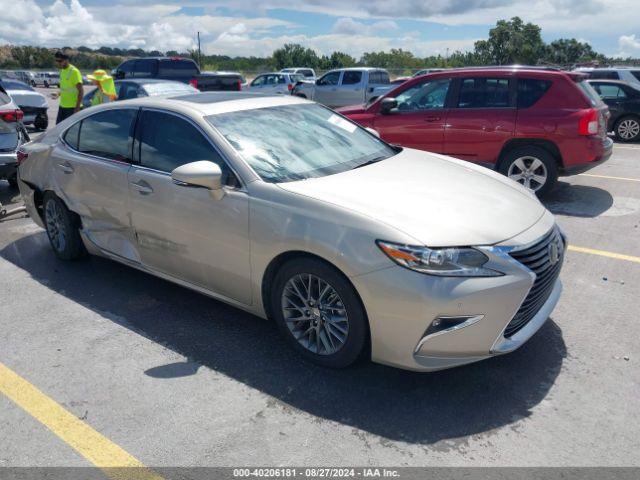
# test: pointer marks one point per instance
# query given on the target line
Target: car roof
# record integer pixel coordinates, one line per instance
(506, 70)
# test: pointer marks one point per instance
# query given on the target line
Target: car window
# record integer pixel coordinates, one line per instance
(177, 68)
(351, 77)
(296, 77)
(530, 90)
(127, 91)
(14, 85)
(108, 134)
(331, 78)
(127, 67)
(280, 79)
(590, 93)
(71, 135)
(424, 96)
(4, 98)
(296, 142)
(604, 75)
(383, 78)
(306, 73)
(636, 73)
(609, 91)
(145, 68)
(484, 92)
(168, 141)
(258, 81)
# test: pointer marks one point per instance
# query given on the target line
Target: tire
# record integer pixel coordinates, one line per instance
(41, 122)
(337, 343)
(627, 129)
(62, 228)
(13, 180)
(540, 172)
(46, 84)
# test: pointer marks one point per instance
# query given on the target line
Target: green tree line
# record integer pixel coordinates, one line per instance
(509, 42)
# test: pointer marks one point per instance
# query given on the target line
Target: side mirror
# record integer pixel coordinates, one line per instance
(203, 174)
(387, 104)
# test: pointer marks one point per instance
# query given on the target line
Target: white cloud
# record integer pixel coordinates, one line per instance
(629, 46)
(349, 26)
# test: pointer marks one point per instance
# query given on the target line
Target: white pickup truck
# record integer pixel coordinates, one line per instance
(346, 86)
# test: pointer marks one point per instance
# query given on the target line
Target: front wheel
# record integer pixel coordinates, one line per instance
(627, 129)
(319, 313)
(533, 167)
(62, 228)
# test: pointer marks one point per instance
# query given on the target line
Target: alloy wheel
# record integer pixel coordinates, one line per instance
(56, 226)
(315, 314)
(628, 129)
(529, 171)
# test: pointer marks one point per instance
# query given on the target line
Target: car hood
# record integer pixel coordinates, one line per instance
(352, 109)
(438, 200)
(26, 98)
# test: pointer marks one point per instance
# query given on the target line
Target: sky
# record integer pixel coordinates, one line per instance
(244, 27)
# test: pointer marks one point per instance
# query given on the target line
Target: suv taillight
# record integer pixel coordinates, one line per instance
(194, 82)
(21, 155)
(588, 123)
(12, 115)
(239, 85)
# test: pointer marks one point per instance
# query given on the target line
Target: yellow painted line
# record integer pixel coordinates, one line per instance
(96, 448)
(607, 176)
(604, 253)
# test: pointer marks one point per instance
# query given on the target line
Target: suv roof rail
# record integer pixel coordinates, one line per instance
(511, 67)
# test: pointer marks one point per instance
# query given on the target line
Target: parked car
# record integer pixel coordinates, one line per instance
(143, 87)
(33, 104)
(629, 75)
(47, 79)
(309, 74)
(179, 69)
(623, 100)
(12, 137)
(285, 209)
(20, 75)
(282, 83)
(426, 71)
(531, 124)
(346, 86)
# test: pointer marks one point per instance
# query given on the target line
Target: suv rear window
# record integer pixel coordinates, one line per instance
(590, 93)
(484, 92)
(604, 75)
(178, 68)
(530, 90)
(636, 73)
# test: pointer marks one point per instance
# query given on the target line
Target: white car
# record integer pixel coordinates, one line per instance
(309, 74)
(33, 104)
(47, 79)
(274, 83)
(629, 75)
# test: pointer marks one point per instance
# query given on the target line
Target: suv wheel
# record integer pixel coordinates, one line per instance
(533, 167)
(319, 313)
(62, 228)
(627, 129)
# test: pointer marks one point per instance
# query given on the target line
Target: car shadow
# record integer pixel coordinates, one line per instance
(421, 408)
(8, 194)
(578, 200)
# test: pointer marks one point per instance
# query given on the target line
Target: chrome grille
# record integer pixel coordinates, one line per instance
(538, 258)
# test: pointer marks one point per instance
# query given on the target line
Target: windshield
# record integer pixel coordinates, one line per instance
(15, 85)
(297, 142)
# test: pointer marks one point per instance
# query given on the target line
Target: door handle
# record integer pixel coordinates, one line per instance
(143, 187)
(65, 167)
(432, 119)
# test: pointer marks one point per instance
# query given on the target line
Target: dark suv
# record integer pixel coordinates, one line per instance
(530, 124)
(181, 69)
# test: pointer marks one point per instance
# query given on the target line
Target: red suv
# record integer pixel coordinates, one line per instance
(531, 124)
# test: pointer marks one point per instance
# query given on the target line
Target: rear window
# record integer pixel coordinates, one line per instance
(636, 73)
(165, 88)
(484, 92)
(590, 93)
(296, 77)
(604, 75)
(4, 98)
(530, 90)
(178, 68)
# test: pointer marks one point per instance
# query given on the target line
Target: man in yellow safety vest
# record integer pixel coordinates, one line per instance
(71, 90)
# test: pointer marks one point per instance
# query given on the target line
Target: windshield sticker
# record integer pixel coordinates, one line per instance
(342, 123)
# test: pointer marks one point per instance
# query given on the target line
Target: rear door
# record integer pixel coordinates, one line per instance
(419, 120)
(482, 118)
(90, 167)
(184, 231)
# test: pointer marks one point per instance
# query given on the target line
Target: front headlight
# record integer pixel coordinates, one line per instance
(446, 262)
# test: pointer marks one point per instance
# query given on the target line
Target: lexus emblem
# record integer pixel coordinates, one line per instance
(555, 252)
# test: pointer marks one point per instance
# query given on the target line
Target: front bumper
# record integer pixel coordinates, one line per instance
(402, 304)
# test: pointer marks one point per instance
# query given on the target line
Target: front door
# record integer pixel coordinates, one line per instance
(90, 171)
(419, 119)
(326, 88)
(184, 231)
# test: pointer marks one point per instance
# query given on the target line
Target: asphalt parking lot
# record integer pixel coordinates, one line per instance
(168, 377)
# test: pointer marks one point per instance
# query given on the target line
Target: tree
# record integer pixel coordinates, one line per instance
(567, 51)
(294, 55)
(336, 60)
(511, 41)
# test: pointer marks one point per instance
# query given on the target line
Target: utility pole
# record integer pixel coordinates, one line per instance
(199, 52)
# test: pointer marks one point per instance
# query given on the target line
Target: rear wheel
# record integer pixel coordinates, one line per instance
(627, 129)
(533, 167)
(13, 180)
(62, 228)
(41, 122)
(319, 313)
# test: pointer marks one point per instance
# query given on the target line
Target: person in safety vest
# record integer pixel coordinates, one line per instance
(71, 90)
(105, 88)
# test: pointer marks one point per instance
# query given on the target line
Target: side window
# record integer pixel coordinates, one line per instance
(351, 77)
(424, 96)
(167, 142)
(128, 90)
(530, 90)
(258, 81)
(383, 78)
(605, 75)
(71, 135)
(281, 79)
(145, 68)
(306, 73)
(636, 73)
(484, 93)
(108, 134)
(331, 78)
(127, 68)
(610, 91)
(373, 77)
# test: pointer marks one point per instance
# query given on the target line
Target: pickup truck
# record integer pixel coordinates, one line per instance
(181, 69)
(346, 86)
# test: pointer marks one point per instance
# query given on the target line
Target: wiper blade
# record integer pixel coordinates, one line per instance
(370, 162)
